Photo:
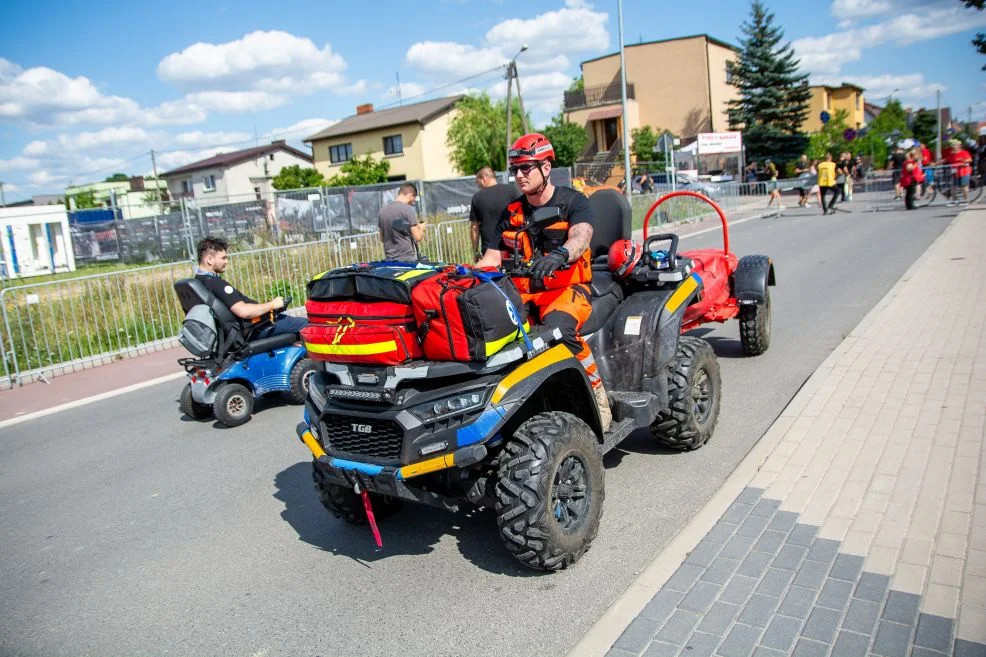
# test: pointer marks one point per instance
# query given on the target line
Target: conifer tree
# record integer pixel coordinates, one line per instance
(773, 94)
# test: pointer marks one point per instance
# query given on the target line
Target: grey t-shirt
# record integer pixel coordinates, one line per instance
(396, 246)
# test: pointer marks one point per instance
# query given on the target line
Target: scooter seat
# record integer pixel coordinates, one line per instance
(270, 344)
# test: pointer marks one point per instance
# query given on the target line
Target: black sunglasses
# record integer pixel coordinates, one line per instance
(524, 168)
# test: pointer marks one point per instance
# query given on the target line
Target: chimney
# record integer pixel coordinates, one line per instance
(365, 108)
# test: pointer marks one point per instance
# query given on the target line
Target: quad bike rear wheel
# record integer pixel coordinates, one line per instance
(192, 408)
(344, 503)
(549, 491)
(233, 404)
(754, 321)
(301, 375)
(694, 394)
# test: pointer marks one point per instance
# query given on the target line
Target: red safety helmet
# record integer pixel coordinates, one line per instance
(623, 257)
(533, 147)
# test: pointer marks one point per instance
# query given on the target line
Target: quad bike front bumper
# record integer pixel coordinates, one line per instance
(389, 480)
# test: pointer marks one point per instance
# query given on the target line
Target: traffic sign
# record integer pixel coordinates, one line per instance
(825, 116)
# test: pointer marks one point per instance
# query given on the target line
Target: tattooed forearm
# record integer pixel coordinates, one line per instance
(579, 238)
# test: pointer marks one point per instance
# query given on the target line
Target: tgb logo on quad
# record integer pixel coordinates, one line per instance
(362, 428)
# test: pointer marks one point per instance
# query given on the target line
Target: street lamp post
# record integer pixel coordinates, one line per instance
(623, 93)
(511, 77)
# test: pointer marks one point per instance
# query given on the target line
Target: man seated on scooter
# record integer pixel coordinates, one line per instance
(561, 269)
(213, 258)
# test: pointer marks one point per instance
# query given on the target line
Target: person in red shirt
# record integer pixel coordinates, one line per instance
(961, 162)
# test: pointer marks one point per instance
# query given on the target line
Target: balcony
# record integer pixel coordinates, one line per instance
(598, 95)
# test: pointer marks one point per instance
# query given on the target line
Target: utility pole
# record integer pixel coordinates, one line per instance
(400, 99)
(938, 129)
(157, 182)
(623, 91)
(511, 76)
(3, 202)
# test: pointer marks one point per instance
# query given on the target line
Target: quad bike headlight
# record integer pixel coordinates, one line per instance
(457, 404)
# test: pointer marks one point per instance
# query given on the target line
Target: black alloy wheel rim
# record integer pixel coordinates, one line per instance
(702, 396)
(570, 494)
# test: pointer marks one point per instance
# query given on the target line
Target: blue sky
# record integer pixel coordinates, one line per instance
(91, 88)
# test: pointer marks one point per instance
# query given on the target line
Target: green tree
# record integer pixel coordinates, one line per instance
(773, 95)
(925, 126)
(830, 139)
(569, 139)
(360, 171)
(578, 84)
(85, 200)
(118, 177)
(890, 125)
(477, 135)
(642, 142)
(296, 177)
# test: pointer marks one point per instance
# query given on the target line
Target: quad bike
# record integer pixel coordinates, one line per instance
(520, 433)
(731, 286)
(225, 382)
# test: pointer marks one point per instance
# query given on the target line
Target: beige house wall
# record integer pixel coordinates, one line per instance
(410, 163)
(721, 91)
(672, 83)
(831, 100)
(436, 163)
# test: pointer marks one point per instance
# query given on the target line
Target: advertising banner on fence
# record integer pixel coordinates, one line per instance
(719, 142)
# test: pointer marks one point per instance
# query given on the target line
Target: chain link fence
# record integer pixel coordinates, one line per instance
(56, 327)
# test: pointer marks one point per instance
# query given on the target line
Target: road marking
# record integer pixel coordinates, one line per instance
(89, 400)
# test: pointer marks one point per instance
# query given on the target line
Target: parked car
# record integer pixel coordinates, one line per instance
(686, 182)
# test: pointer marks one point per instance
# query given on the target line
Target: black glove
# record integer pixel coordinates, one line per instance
(548, 264)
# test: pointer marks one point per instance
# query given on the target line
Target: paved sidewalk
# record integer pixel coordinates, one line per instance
(859, 527)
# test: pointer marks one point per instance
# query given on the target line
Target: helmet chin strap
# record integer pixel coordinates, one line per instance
(544, 181)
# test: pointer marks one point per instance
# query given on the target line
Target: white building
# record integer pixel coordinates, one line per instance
(242, 175)
(35, 240)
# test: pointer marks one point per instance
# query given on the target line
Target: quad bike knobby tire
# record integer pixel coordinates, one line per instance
(301, 374)
(754, 321)
(233, 404)
(694, 393)
(549, 491)
(192, 408)
(344, 503)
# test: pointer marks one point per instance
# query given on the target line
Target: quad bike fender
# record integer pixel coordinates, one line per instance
(750, 280)
(637, 343)
(269, 371)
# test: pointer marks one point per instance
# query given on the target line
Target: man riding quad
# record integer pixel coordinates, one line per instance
(560, 272)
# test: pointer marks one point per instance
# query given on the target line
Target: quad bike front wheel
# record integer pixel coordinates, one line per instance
(301, 376)
(694, 394)
(549, 491)
(192, 408)
(233, 405)
(344, 503)
(754, 321)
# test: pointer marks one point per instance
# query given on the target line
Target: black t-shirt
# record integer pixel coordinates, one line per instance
(574, 208)
(897, 160)
(225, 292)
(488, 204)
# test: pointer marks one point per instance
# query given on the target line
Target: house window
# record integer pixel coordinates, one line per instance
(271, 156)
(256, 190)
(730, 66)
(393, 145)
(186, 186)
(340, 153)
(210, 183)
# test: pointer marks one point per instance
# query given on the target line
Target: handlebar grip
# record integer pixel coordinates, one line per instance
(664, 237)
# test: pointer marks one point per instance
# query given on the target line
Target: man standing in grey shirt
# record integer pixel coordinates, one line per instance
(396, 246)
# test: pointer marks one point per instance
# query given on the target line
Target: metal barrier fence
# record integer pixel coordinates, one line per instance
(57, 327)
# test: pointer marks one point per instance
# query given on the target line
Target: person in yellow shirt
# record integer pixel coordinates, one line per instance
(826, 182)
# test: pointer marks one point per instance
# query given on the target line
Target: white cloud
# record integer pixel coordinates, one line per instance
(829, 53)
(36, 147)
(543, 94)
(175, 112)
(911, 87)
(199, 138)
(10, 188)
(408, 90)
(17, 162)
(568, 30)
(300, 130)
(42, 177)
(444, 60)
(856, 9)
(236, 101)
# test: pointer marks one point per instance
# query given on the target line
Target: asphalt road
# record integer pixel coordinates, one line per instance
(127, 531)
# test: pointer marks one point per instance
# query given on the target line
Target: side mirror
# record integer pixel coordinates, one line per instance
(401, 226)
(546, 215)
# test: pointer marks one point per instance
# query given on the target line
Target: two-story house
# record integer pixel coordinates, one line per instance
(825, 98)
(241, 175)
(681, 85)
(412, 138)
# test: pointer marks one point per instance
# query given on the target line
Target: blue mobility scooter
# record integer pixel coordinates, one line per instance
(229, 370)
